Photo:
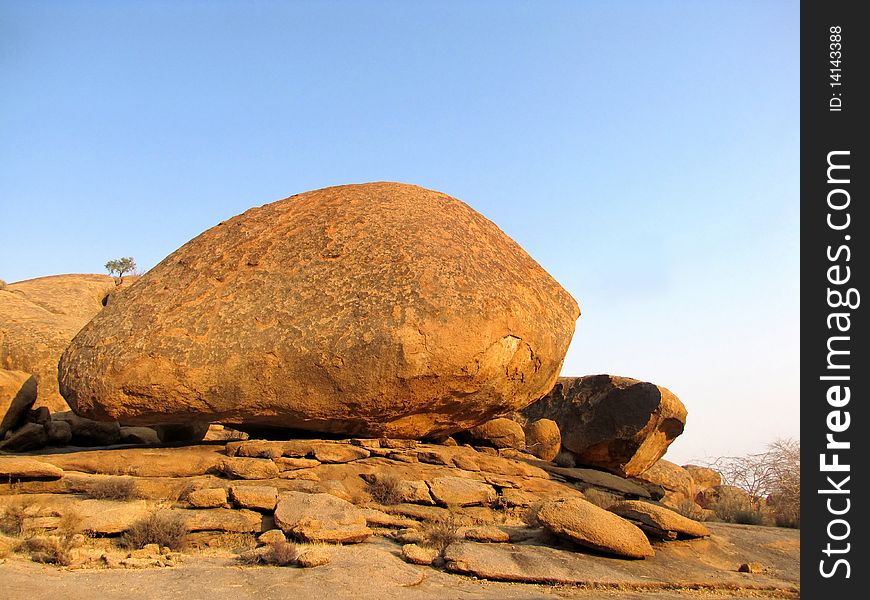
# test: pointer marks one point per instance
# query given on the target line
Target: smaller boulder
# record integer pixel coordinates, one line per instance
(588, 525)
(313, 557)
(17, 395)
(457, 491)
(59, 433)
(487, 533)
(140, 436)
(249, 468)
(30, 436)
(543, 439)
(208, 498)
(320, 518)
(752, 567)
(86, 432)
(498, 433)
(658, 521)
(419, 555)
(273, 536)
(256, 497)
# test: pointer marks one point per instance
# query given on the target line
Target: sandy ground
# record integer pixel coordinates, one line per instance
(370, 570)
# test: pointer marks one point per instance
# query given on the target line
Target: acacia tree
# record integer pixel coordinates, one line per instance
(772, 478)
(120, 266)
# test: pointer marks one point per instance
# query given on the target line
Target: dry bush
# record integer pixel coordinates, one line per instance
(51, 550)
(114, 488)
(70, 522)
(283, 554)
(279, 554)
(2, 284)
(440, 533)
(13, 516)
(689, 508)
(600, 498)
(733, 507)
(163, 527)
(771, 478)
(385, 489)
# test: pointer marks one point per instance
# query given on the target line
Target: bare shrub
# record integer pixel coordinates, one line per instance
(733, 507)
(52, 550)
(771, 478)
(385, 489)
(279, 554)
(13, 517)
(284, 553)
(440, 533)
(163, 527)
(113, 488)
(70, 522)
(689, 508)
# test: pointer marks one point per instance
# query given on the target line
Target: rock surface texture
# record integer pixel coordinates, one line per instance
(39, 317)
(614, 423)
(380, 308)
(17, 394)
(588, 525)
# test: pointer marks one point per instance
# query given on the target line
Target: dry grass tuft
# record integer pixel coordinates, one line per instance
(385, 489)
(163, 527)
(51, 550)
(737, 508)
(279, 554)
(114, 488)
(440, 533)
(13, 516)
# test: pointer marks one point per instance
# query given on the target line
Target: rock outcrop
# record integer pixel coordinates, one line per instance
(39, 317)
(614, 423)
(374, 309)
(676, 481)
(704, 477)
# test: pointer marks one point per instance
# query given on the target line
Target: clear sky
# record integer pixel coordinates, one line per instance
(645, 153)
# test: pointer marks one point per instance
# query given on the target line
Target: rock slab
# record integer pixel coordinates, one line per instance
(588, 525)
(320, 518)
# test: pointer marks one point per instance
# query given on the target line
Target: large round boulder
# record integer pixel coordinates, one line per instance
(615, 423)
(373, 309)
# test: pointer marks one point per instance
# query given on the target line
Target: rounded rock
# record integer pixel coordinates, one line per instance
(372, 309)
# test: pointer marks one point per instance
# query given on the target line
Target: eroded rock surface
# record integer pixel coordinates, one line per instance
(374, 309)
(39, 317)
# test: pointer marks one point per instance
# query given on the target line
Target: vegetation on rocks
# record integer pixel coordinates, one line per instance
(163, 527)
(121, 266)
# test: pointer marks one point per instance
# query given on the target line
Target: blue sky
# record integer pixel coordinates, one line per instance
(645, 153)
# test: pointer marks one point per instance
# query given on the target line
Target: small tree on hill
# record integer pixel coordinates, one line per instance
(120, 266)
